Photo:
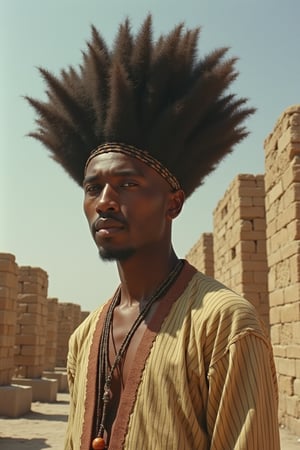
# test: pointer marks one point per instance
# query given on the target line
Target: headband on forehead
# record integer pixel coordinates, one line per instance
(143, 156)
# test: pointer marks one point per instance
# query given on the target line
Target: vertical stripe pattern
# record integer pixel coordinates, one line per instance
(207, 382)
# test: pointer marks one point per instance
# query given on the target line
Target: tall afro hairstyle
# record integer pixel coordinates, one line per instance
(159, 97)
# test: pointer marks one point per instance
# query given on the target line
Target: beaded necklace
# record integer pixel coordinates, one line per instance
(106, 372)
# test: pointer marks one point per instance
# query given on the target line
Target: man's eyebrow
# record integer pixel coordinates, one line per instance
(117, 173)
(89, 179)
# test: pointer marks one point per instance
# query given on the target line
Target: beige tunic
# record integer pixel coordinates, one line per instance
(203, 377)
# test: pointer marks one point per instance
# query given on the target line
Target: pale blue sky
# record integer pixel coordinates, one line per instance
(41, 208)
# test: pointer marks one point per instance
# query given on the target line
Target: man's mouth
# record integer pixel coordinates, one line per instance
(105, 226)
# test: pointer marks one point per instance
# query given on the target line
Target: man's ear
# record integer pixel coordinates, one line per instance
(176, 202)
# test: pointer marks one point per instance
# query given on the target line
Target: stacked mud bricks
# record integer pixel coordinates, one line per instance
(51, 334)
(69, 317)
(30, 328)
(235, 253)
(282, 180)
(201, 254)
(31, 322)
(240, 241)
(8, 315)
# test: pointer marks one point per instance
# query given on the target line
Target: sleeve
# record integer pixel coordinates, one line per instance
(243, 401)
(71, 371)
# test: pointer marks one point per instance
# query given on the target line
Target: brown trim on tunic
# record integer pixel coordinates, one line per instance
(91, 382)
(135, 375)
(128, 397)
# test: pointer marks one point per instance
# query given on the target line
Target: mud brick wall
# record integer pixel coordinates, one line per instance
(240, 241)
(282, 180)
(69, 317)
(201, 254)
(84, 315)
(51, 334)
(8, 315)
(31, 322)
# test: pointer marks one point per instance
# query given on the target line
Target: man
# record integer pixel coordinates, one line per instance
(174, 360)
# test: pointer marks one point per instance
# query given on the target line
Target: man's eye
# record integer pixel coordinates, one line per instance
(129, 184)
(92, 189)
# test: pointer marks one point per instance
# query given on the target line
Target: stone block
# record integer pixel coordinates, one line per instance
(285, 385)
(43, 389)
(290, 312)
(15, 400)
(297, 387)
(61, 377)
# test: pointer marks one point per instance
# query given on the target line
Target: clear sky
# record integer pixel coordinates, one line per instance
(42, 222)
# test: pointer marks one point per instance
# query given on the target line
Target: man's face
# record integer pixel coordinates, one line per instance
(127, 205)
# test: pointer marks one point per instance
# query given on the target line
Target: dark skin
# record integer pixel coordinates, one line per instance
(130, 209)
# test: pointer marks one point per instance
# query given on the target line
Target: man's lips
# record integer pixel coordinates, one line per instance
(106, 226)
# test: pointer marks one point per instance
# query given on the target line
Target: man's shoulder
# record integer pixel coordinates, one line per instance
(215, 299)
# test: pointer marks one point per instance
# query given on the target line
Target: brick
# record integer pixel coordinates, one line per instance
(8, 317)
(293, 406)
(293, 351)
(275, 315)
(29, 350)
(290, 312)
(9, 304)
(276, 191)
(286, 333)
(286, 366)
(285, 385)
(276, 297)
(297, 387)
(289, 249)
(275, 334)
(295, 268)
(7, 340)
(292, 293)
(296, 332)
(29, 339)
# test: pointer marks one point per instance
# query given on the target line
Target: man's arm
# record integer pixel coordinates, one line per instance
(243, 402)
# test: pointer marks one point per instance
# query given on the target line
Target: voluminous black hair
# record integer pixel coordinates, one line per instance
(157, 96)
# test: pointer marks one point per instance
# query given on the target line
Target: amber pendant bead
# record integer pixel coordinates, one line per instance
(98, 444)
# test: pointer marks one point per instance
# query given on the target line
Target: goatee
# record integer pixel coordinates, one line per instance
(115, 255)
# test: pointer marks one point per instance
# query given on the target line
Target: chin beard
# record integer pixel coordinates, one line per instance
(107, 254)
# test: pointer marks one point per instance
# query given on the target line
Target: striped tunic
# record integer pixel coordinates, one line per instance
(203, 377)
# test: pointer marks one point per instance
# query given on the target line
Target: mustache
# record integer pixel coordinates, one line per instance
(103, 217)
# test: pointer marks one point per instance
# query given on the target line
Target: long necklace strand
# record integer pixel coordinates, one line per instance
(104, 371)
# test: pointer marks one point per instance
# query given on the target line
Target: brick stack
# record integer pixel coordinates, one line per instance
(51, 334)
(69, 317)
(8, 315)
(76, 315)
(201, 254)
(240, 241)
(282, 179)
(32, 322)
(84, 315)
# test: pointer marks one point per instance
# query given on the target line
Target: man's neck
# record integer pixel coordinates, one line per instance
(140, 277)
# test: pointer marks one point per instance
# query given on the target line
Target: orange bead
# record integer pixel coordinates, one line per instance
(98, 443)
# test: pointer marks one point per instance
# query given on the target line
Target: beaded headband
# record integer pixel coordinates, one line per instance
(142, 155)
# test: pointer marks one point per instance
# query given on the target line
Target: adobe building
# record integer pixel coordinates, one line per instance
(15, 400)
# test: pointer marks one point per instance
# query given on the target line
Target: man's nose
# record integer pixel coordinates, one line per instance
(107, 200)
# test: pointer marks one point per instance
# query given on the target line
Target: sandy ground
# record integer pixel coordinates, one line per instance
(44, 428)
